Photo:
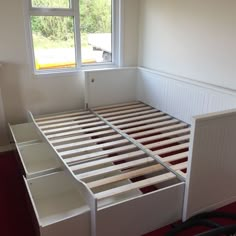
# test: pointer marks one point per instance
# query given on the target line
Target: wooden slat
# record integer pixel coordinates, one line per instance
(158, 130)
(136, 185)
(180, 166)
(50, 117)
(103, 111)
(150, 126)
(137, 118)
(121, 149)
(126, 111)
(182, 174)
(99, 154)
(130, 164)
(125, 141)
(79, 117)
(165, 135)
(132, 115)
(132, 174)
(62, 124)
(56, 142)
(112, 137)
(88, 142)
(171, 149)
(109, 169)
(168, 142)
(124, 176)
(59, 130)
(144, 122)
(130, 155)
(115, 105)
(176, 157)
(93, 148)
(136, 129)
(106, 160)
(80, 131)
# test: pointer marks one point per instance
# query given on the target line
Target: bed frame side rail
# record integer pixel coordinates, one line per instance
(85, 191)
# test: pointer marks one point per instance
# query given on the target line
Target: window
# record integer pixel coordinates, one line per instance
(70, 34)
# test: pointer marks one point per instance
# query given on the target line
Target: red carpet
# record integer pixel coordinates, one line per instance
(15, 219)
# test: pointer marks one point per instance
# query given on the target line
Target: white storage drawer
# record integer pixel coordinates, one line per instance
(141, 214)
(24, 133)
(36, 156)
(38, 159)
(58, 205)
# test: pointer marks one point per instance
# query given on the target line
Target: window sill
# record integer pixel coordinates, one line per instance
(72, 72)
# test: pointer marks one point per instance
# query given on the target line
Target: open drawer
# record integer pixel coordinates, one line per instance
(24, 133)
(60, 210)
(36, 156)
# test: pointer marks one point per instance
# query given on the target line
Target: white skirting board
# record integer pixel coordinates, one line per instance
(7, 148)
(3, 131)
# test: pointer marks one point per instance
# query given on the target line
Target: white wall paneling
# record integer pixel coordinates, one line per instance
(181, 97)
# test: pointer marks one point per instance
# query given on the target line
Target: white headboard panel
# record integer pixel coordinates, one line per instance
(210, 182)
(111, 86)
(180, 97)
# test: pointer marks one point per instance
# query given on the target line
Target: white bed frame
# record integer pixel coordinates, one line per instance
(210, 175)
(198, 104)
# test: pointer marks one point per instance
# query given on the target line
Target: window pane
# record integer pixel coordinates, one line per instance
(51, 3)
(96, 29)
(54, 44)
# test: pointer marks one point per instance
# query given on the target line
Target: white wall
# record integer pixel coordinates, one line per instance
(190, 38)
(131, 32)
(3, 130)
(20, 91)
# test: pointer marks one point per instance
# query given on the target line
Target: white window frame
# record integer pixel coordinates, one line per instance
(117, 12)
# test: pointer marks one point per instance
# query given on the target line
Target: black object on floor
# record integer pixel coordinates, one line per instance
(203, 219)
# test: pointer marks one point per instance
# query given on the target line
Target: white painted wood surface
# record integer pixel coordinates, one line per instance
(38, 159)
(25, 133)
(110, 86)
(142, 214)
(36, 156)
(211, 177)
(180, 97)
(60, 210)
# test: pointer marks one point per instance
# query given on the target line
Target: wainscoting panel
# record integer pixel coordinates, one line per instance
(181, 97)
